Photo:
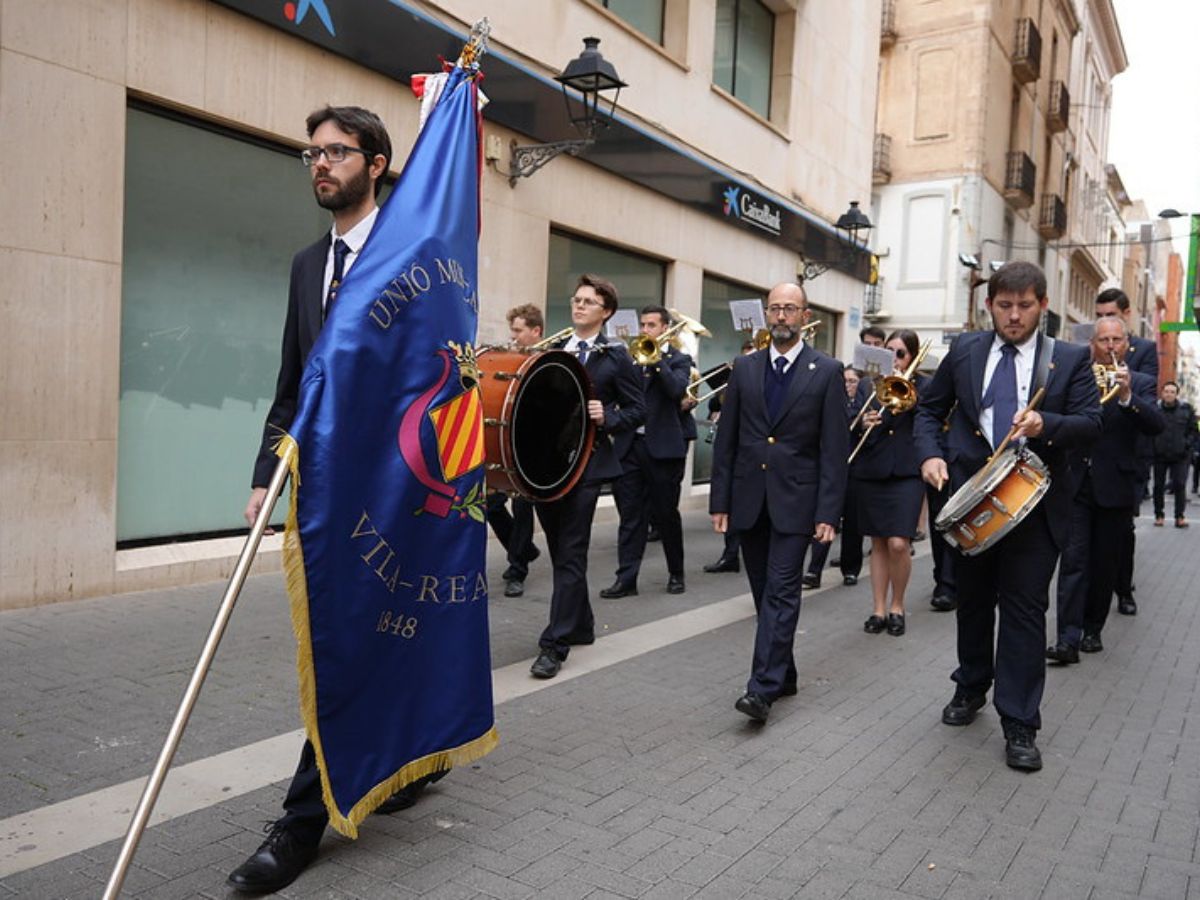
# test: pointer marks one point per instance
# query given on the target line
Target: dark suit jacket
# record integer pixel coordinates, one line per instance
(889, 450)
(666, 431)
(300, 329)
(617, 384)
(795, 464)
(1143, 357)
(1070, 412)
(1111, 461)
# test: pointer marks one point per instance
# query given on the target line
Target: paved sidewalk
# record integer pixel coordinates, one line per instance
(639, 779)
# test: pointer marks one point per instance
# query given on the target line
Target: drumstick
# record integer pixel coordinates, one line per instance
(1033, 402)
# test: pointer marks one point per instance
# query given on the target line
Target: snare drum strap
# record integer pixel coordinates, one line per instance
(1043, 366)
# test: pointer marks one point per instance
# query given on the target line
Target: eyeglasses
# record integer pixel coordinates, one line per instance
(789, 309)
(586, 301)
(334, 153)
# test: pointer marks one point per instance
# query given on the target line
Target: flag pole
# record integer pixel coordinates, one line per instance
(141, 815)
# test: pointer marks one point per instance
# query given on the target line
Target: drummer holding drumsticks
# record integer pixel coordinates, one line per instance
(992, 376)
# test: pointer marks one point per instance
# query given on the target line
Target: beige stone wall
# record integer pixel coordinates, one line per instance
(67, 68)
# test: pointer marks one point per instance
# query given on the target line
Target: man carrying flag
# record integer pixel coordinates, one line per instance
(378, 414)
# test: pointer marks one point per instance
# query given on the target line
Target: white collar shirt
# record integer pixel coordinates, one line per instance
(354, 238)
(790, 356)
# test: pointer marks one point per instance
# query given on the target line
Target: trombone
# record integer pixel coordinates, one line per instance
(897, 393)
(546, 342)
(761, 340)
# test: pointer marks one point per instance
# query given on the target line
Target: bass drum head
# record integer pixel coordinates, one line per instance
(551, 432)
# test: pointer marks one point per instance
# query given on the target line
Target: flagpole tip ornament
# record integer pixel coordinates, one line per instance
(476, 46)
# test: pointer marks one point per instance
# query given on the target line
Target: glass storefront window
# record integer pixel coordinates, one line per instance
(742, 52)
(640, 281)
(211, 224)
(644, 15)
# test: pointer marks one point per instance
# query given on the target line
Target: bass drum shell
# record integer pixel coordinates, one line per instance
(537, 434)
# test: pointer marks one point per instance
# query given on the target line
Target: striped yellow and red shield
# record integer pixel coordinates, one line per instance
(458, 424)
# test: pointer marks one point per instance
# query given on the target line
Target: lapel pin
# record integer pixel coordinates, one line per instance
(811, 366)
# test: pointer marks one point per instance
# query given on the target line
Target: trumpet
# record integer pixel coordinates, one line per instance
(648, 351)
(897, 393)
(546, 342)
(1106, 379)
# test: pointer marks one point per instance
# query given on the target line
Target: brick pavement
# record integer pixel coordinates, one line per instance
(639, 780)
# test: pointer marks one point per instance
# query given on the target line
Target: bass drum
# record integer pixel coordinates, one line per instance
(537, 434)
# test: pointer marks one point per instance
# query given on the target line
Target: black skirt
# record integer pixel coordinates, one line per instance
(889, 507)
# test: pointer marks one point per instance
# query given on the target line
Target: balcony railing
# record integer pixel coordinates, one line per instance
(1060, 107)
(1019, 176)
(887, 31)
(881, 165)
(1027, 52)
(1052, 217)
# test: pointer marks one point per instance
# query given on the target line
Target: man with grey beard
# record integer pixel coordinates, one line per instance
(779, 480)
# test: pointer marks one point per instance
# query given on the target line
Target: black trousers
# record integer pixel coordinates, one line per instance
(851, 560)
(648, 491)
(567, 523)
(1012, 577)
(515, 532)
(304, 812)
(945, 557)
(1176, 470)
(1087, 576)
(774, 563)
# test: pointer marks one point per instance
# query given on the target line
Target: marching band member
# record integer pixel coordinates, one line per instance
(618, 409)
(1102, 512)
(779, 478)
(992, 376)
(728, 561)
(889, 492)
(652, 469)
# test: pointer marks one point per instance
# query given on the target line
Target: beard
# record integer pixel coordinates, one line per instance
(782, 333)
(347, 193)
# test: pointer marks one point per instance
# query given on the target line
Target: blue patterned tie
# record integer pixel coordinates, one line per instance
(340, 251)
(582, 347)
(780, 366)
(1001, 394)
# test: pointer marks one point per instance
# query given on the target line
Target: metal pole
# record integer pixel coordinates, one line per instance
(141, 815)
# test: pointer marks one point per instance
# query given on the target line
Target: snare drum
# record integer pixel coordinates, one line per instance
(996, 499)
(537, 433)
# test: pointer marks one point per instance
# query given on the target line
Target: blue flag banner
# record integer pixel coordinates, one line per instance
(385, 543)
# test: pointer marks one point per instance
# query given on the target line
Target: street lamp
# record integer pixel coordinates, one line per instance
(853, 229)
(591, 75)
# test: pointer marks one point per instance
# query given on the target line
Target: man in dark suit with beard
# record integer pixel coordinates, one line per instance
(349, 153)
(992, 375)
(618, 408)
(1102, 513)
(779, 479)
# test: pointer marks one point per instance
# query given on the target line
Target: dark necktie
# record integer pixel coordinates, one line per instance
(340, 251)
(780, 366)
(1001, 394)
(582, 347)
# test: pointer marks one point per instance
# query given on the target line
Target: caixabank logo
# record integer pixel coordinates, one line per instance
(756, 211)
(295, 13)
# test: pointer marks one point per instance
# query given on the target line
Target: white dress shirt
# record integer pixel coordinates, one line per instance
(790, 356)
(1023, 363)
(354, 238)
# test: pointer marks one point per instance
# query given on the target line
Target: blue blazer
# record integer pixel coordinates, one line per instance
(1143, 357)
(667, 432)
(1070, 412)
(794, 464)
(301, 326)
(1111, 461)
(615, 382)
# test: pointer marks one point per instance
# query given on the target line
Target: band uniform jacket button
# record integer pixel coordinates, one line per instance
(771, 439)
(764, 465)
(978, 433)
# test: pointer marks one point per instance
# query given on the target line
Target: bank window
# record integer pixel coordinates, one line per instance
(211, 224)
(743, 52)
(644, 15)
(640, 280)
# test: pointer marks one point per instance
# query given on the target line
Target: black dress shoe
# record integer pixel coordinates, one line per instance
(895, 624)
(849, 579)
(874, 625)
(1063, 653)
(724, 564)
(514, 588)
(1020, 751)
(675, 584)
(811, 580)
(619, 590)
(755, 706)
(962, 708)
(274, 865)
(546, 665)
(1091, 643)
(1127, 606)
(942, 603)
(408, 795)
